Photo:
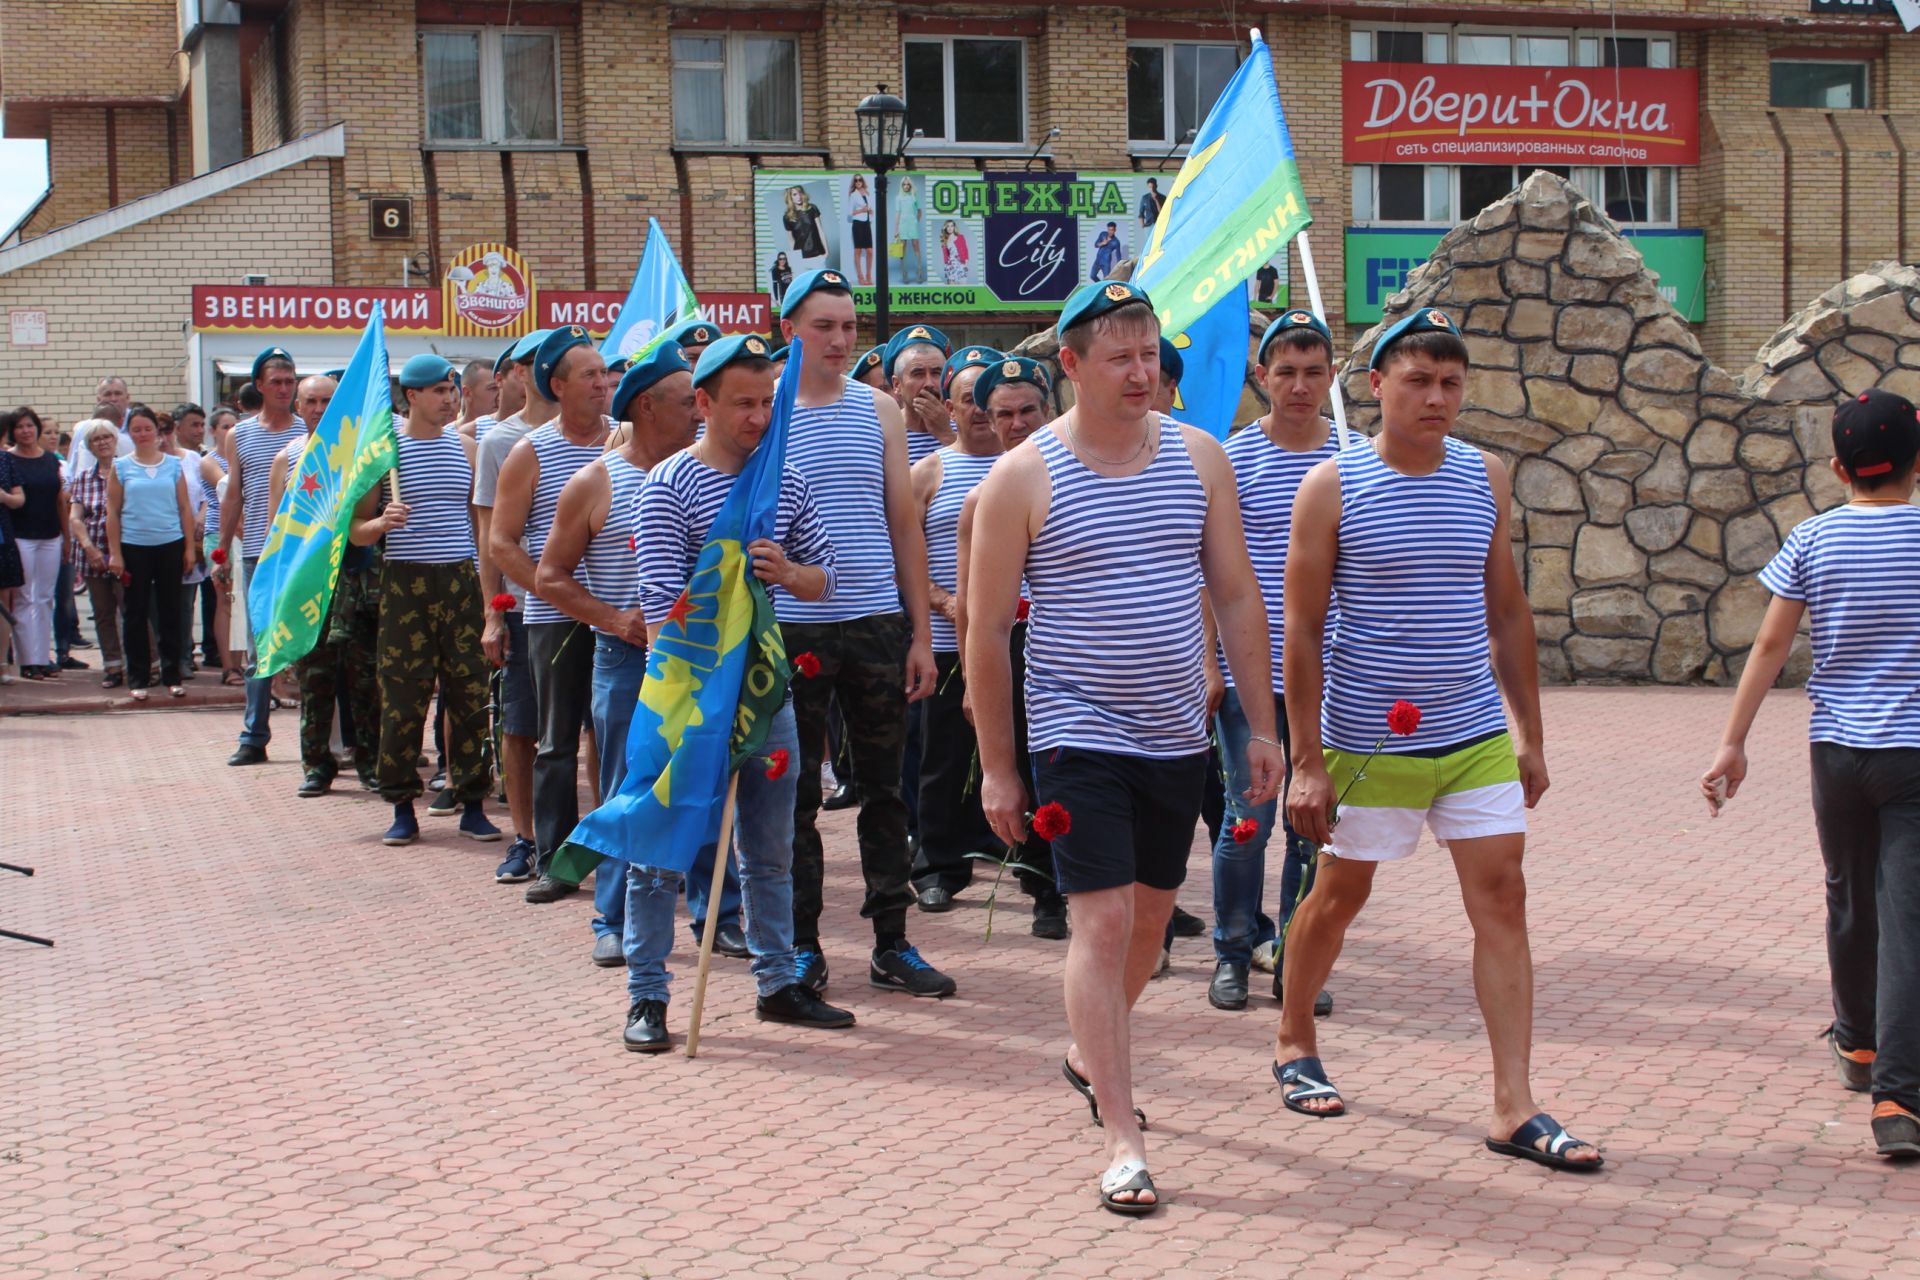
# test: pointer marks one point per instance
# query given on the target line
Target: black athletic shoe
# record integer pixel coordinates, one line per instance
(443, 805)
(1187, 925)
(647, 1027)
(547, 889)
(812, 967)
(314, 784)
(795, 1004)
(904, 970)
(1050, 917)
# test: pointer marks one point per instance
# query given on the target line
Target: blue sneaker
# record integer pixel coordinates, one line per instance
(405, 828)
(904, 970)
(474, 824)
(519, 863)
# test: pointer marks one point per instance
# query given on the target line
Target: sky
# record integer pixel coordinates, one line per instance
(23, 161)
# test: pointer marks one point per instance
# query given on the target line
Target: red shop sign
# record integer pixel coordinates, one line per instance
(1418, 113)
(242, 308)
(596, 309)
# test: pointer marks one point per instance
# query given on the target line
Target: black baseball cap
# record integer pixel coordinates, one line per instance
(1876, 433)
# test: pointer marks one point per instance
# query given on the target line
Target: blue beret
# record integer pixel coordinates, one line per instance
(552, 347)
(780, 354)
(643, 371)
(524, 349)
(1091, 301)
(505, 357)
(813, 282)
(968, 358)
(1011, 369)
(1294, 318)
(335, 374)
(271, 353)
(424, 370)
(731, 350)
(918, 335)
(869, 361)
(1425, 320)
(694, 333)
(1171, 365)
(619, 364)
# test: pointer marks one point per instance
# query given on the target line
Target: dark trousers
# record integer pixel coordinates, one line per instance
(1866, 808)
(66, 614)
(430, 618)
(349, 682)
(951, 822)
(1034, 852)
(255, 729)
(560, 660)
(320, 679)
(211, 647)
(153, 597)
(863, 667)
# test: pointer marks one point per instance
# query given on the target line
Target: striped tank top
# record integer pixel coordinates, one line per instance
(840, 451)
(1267, 477)
(256, 446)
(959, 473)
(921, 445)
(436, 483)
(1411, 586)
(1115, 639)
(213, 497)
(559, 459)
(611, 561)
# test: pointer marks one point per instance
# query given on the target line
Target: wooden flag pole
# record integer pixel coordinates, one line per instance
(1320, 309)
(722, 854)
(393, 480)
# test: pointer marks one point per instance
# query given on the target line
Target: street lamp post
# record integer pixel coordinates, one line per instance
(883, 141)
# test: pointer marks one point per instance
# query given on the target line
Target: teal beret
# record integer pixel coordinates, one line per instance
(643, 371)
(1011, 369)
(918, 335)
(780, 354)
(1425, 320)
(1171, 365)
(271, 353)
(730, 350)
(968, 358)
(523, 350)
(552, 347)
(505, 357)
(1293, 318)
(813, 282)
(869, 361)
(424, 370)
(1091, 301)
(694, 333)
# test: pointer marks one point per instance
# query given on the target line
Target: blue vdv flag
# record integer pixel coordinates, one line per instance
(716, 675)
(1213, 352)
(661, 297)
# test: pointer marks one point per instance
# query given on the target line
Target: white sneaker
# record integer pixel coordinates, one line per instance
(1264, 955)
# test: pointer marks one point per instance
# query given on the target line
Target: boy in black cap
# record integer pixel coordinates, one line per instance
(1851, 569)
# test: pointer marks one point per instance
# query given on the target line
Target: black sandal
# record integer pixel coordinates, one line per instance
(1084, 1087)
(113, 680)
(1314, 1085)
(1558, 1142)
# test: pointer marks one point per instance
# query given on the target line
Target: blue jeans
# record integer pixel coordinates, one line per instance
(763, 841)
(1240, 870)
(254, 731)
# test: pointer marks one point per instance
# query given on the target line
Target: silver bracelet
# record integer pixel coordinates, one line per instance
(1254, 737)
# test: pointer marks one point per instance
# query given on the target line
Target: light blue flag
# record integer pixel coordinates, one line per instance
(1213, 352)
(660, 298)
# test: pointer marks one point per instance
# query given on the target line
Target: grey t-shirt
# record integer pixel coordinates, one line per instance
(491, 454)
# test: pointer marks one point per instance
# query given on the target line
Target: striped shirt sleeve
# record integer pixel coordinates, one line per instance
(1785, 574)
(660, 535)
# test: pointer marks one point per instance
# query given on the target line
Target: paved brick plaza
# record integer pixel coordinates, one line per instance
(267, 1046)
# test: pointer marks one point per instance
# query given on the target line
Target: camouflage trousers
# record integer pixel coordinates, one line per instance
(430, 619)
(863, 669)
(344, 657)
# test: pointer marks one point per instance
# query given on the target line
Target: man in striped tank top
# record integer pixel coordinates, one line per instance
(1408, 536)
(850, 443)
(1270, 459)
(245, 515)
(479, 397)
(914, 362)
(593, 532)
(1850, 571)
(951, 824)
(569, 372)
(430, 606)
(1110, 510)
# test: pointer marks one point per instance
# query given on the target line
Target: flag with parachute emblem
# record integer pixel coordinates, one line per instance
(345, 455)
(661, 297)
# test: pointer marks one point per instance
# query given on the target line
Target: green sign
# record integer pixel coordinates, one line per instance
(1379, 261)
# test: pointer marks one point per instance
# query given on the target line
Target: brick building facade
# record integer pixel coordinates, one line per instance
(560, 126)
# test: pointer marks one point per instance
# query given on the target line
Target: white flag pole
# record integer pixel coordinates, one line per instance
(1320, 309)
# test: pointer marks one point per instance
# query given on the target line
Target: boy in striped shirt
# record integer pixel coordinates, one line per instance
(1851, 568)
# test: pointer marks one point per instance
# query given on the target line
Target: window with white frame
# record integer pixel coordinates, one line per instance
(963, 91)
(1510, 47)
(490, 86)
(1441, 195)
(1830, 86)
(1171, 87)
(735, 88)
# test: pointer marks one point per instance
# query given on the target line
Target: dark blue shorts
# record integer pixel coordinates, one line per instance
(519, 713)
(1133, 816)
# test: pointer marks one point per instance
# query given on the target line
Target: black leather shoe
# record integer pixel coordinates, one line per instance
(1050, 917)
(1322, 1003)
(795, 1004)
(1228, 990)
(314, 785)
(728, 940)
(1186, 924)
(934, 899)
(245, 754)
(74, 664)
(841, 797)
(647, 1027)
(547, 889)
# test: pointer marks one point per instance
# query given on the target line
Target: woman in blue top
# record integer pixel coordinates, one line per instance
(149, 527)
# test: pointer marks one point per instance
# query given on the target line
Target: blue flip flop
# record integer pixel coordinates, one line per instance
(1559, 1141)
(1312, 1077)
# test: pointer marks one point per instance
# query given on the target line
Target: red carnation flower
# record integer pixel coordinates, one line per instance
(807, 665)
(126, 578)
(1245, 830)
(502, 603)
(1051, 821)
(1403, 718)
(777, 763)
(219, 555)
(1020, 614)
(633, 542)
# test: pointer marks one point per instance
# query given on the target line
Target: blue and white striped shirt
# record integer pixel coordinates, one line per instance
(920, 445)
(436, 482)
(482, 425)
(1854, 568)
(611, 560)
(559, 459)
(256, 446)
(840, 450)
(675, 508)
(1410, 583)
(213, 496)
(959, 473)
(1115, 640)
(1267, 478)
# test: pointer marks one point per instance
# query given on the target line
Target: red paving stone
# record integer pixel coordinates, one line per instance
(267, 1046)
